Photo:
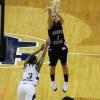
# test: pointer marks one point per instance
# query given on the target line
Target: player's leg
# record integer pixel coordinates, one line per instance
(30, 97)
(21, 92)
(63, 59)
(65, 73)
(30, 92)
(53, 61)
(52, 76)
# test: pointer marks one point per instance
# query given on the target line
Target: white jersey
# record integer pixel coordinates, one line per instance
(30, 74)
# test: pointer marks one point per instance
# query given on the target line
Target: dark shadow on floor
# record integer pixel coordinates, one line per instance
(67, 98)
(79, 98)
(82, 98)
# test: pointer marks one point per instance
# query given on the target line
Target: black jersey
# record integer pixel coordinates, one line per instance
(56, 34)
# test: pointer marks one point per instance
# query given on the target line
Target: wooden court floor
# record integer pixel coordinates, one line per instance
(27, 20)
(84, 79)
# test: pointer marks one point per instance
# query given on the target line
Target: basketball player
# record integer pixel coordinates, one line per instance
(32, 66)
(57, 48)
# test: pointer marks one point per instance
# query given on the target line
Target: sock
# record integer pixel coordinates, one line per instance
(52, 77)
(66, 77)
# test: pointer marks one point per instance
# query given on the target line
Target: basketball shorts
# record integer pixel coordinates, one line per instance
(57, 53)
(26, 91)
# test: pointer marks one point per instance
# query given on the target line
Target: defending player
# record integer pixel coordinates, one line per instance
(32, 66)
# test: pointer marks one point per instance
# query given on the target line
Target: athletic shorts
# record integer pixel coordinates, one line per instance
(57, 53)
(26, 91)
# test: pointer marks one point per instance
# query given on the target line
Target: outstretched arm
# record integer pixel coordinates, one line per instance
(40, 49)
(49, 12)
(60, 17)
(41, 60)
(49, 17)
(56, 11)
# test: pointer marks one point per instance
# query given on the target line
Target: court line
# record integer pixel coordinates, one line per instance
(27, 36)
(90, 54)
(37, 44)
(83, 54)
(18, 53)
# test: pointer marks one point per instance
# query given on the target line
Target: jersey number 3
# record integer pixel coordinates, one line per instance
(30, 75)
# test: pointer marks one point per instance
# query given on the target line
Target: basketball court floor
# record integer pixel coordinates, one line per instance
(27, 21)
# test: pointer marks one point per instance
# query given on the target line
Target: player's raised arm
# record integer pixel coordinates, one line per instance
(41, 48)
(41, 60)
(49, 16)
(49, 12)
(32, 55)
(55, 9)
(60, 17)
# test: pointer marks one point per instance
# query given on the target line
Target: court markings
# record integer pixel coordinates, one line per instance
(85, 54)
(32, 37)
(43, 40)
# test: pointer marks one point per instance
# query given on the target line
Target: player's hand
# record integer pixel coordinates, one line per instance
(49, 8)
(42, 46)
(48, 41)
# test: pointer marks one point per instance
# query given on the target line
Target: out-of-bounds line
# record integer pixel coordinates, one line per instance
(85, 54)
(27, 36)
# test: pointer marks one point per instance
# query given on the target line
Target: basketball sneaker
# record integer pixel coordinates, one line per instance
(53, 86)
(65, 87)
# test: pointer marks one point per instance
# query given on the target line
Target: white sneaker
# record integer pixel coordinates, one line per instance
(53, 86)
(65, 87)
